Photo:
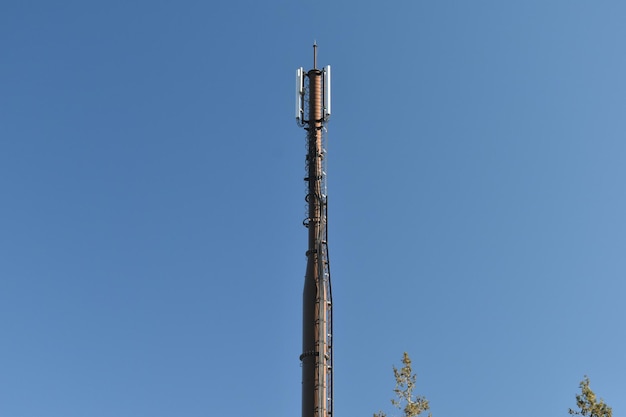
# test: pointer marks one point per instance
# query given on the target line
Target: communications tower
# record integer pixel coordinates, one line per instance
(312, 113)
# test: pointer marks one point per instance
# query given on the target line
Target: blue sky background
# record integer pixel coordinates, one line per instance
(151, 173)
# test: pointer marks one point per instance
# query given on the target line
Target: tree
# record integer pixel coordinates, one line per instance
(587, 403)
(412, 405)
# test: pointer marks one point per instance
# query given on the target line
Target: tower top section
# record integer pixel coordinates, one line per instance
(303, 90)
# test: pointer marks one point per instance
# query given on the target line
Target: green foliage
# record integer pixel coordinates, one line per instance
(587, 403)
(412, 405)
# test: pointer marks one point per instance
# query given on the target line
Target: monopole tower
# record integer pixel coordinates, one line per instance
(312, 113)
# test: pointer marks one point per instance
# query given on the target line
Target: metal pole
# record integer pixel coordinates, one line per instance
(317, 304)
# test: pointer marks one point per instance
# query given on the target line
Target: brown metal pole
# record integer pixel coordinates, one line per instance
(313, 380)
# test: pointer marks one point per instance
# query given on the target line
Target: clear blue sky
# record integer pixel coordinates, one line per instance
(151, 180)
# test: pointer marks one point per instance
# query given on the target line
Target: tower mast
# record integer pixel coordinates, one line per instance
(317, 356)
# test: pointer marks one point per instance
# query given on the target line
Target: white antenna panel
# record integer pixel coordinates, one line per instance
(299, 92)
(327, 91)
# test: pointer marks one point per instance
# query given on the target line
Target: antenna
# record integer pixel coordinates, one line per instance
(317, 329)
(326, 92)
(299, 94)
